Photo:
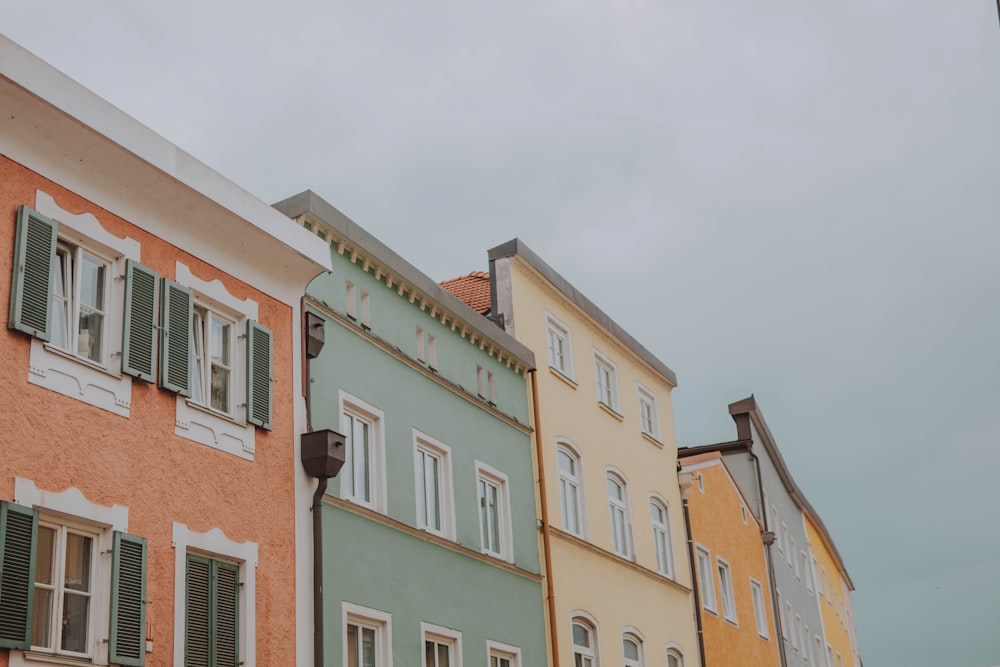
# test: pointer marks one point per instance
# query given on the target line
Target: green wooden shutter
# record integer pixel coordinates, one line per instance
(18, 539)
(31, 284)
(259, 353)
(127, 645)
(176, 316)
(227, 615)
(197, 619)
(139, 325)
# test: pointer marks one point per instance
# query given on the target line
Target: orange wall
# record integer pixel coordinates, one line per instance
(59, 442)
(717, 525)
(831, 603)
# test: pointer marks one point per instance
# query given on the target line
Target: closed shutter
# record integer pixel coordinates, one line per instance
(176, 314)
(211, 627)
(18, 537)
(259, 351)
(197, 624)
(31, 284)
(227, 616)
(140, 321)
(127, 644)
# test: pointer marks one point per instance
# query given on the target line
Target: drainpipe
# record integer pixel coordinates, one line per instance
(317, 521)
(685, 489)
(768, 543)
(546, 535)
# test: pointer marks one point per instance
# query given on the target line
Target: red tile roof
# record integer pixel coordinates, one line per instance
(473, 289)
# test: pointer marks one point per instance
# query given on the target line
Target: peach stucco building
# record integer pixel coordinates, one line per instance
(833, 588)
(148, 469)
(734, 597)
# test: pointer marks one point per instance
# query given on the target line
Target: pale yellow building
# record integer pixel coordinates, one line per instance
(833, 589)
(619, 577)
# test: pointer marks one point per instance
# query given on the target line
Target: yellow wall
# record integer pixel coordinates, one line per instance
(587, 576)
(835, 600)
(717, 525)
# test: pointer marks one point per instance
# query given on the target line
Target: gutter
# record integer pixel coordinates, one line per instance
(694, 575)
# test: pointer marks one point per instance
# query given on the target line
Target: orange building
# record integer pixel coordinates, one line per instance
(734, 597)
(833, 594)
(150, 415)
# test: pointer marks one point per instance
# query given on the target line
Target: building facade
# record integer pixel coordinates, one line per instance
(430, 551)
(619, 585)
(733, 591)
(146, 492)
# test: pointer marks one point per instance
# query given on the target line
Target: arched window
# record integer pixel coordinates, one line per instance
(632, 650)
(570, 483)
(661, 537)
(618, 509)
(675, 658)
(584, 643)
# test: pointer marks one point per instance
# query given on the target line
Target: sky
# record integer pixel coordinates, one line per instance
(789, 198)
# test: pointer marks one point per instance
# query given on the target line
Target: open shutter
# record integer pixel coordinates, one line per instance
(31, 284)
(197, 623)
(176, 314)
(139, 329)
(127, 645)
(259, 352)
(227, 615)
(18, 539)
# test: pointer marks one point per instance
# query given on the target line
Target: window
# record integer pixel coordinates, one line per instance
(503, 655)
(80, 298)
(661, 537)
(367, 637)
(494, 511)
(366, 310)
(432, 464)
(607, 381)
(786, 621)
(560, 349)
(726, 589)
(54, 565)
(486, 385)
(361, 478)
(790, 554)
(819, 650)
(570, 496)
(816, 578)
(584, 644)
(351, 307)
(632, 650)
(743, 514)
(701, 483)
(806, 646)
(783, 542)
(796, 632)
(759, 610)
(211, 362)
(211, 624)
(442, 646)
(648, 416)
(706, 580)
(427, 349)
(804, 569)
(675, 658)
(618, 508)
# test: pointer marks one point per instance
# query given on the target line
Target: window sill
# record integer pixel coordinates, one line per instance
(713, 612)
(212, 411)
(652, 439)
(611, 411)
(732, 621)
(52, 349)
(29, 657)
(562, 376)
(69, 375)
(214, 429)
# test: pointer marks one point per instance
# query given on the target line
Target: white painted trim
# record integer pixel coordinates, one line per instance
(714, 606)
(509, 651)
(214, 543)
(70, 502)
(449, 635)
(367, 616)
(763, 608)
(574, 451)
(676, 649)
(422, 441)
(489, 473)
(610, 471)
(554, 323)
(630, 632)
(644, 392)
(588, 620)
(723, 565)
(655, 497)
(600, 359)
(348, 403)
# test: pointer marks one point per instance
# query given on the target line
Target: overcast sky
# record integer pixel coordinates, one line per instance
(792, 198)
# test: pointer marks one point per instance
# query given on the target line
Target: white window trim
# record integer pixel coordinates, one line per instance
(635, 636)
(351, 300)
(602, 360)
(368, 616)
(726, 584)
(586, 619)
(612, 472)
(665, 506)
(491, 474)
(228, 433)
(675, 648)
(348, 403)
(438, 632)
(552, 323)
(501, 650)
(646, 395)
(709, 603)
(571, 449)
(760, 614)
(62, 371)
(215, 544)
(71, 508)
(424, 442)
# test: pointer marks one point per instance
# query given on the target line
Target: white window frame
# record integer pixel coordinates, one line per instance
(215, 544)
(441, 635)
(491, 476)
(648, 412)
(675, 651)
(743, 514)
(792, 563)
(620, 507)
(807, 646)
(606, 373)
(556, 330)
(503, 651)
(421, 346)
(375, 418)
(662, 533)
(818, 583)
(797, 633)
(366, 310)
(706, 579)
(701, 483)
(576, 484)
(632, 635)
(593, 652)
(726, 591)
(818, 648)
(486, 387)
(759, 607)
(207, 312)
(804, 566)
(351, 300)
(423, 443)
(366, 617)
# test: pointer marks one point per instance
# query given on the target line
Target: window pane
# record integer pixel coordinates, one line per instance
(494, 519)
(78, 550)
(60, 304)
(220, 341)
(367, 647)
(92, 283)
(352, 646)
(444, 655)
(631, 649)
(76, 616)
(220, 388)
(581, 636)
(45, 555)
(42, 619)
(433, 487)
(91, 320)
(566, 463)
(198, 358)
(429, 654)
(421, 488)
(614, 489)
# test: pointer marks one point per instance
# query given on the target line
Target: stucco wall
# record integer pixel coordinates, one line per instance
(833, 604)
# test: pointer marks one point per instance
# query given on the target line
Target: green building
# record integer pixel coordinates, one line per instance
(429, 547)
